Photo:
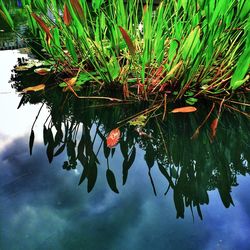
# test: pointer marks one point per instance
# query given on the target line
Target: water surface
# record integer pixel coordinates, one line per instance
(42, 206)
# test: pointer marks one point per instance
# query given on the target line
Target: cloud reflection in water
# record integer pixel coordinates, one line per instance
(41, 206)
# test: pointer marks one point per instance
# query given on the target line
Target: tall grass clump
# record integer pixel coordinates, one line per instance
(180, 48)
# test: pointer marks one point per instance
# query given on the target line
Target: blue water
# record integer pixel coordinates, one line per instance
(42, 206)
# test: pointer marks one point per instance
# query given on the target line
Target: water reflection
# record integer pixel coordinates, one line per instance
(41, 206)
(77, 130)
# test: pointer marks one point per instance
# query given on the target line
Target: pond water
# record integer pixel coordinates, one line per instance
(174, 192)
(43, 207)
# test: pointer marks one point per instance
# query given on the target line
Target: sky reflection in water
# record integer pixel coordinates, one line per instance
(41, 206)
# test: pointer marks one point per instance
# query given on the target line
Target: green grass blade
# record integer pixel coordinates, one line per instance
(5, 14)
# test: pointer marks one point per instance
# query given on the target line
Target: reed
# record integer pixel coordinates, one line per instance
(184, 49)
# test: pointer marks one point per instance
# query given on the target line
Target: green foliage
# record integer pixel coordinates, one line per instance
(5, 14)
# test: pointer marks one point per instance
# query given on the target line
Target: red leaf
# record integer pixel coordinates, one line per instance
(113, 137)
(128, 40)
(187, 109)
(66, 15)
(77, 7)
(43, 26)
(213, 127)
(159, 71)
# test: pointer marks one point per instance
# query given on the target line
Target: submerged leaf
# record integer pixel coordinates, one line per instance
(45, 135)
(92, 175)
(34, 88)
(113, 137)
(179, 203)
(187, 109)
(51, 145)
(83, 176)
(111, 180)
(22, 101)
(31, 141)
(50, 152)
(128, 40)
(213, 127)
(138, 121)
(60, 150)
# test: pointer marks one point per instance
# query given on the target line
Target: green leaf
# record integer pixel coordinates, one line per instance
(245, 10)
(111, 180)
(71, 49)
(191, 100)
(5, 14)
(96, 4)
(191, 43)
(172, 50)
(114, 68)
(241, 69)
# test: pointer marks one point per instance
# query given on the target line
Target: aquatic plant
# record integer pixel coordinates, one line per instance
(183, 49)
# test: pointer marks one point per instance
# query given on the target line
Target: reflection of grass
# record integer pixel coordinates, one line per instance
(186, 49)
(191, 167)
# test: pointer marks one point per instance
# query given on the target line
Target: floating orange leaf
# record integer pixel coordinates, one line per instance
(43, 26)
(66, 15)
(42, 71)
(113, 137)
(213, 127)
(128, 41)
(187, 109)
(34, 88)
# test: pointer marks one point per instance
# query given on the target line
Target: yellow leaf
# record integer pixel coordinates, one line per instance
(34, 88)
(70, 81)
